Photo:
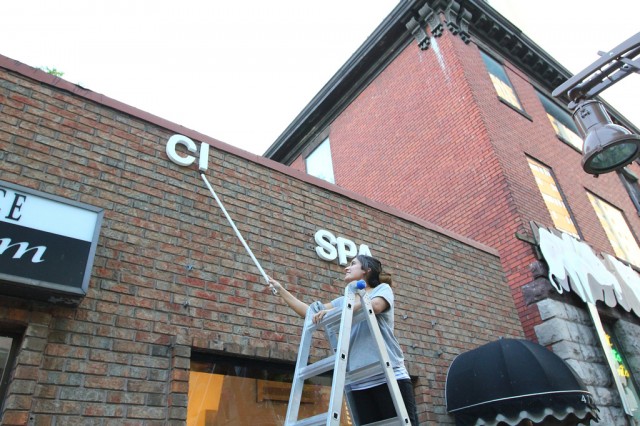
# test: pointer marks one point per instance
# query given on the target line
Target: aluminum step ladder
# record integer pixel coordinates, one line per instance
(337, 329)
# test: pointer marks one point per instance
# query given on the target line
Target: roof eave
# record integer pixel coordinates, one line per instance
(486, 26)
(360, 69)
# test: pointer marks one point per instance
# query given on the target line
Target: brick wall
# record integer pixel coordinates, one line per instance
(416, 138)
(170, 277)
(514, 137)
(429, 136)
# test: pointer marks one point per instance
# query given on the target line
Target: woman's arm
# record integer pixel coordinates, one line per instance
(378, 304)
(298, 306)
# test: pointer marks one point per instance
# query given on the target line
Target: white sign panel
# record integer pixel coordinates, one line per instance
(573, 265)
(46, 215)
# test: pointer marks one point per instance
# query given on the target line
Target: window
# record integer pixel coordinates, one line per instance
(630, 183)
(319, 162)
(8, 350)
(239, 391)
(553, 198)
(562, 123)
(501, 82)
(621, 366)
(619, 234)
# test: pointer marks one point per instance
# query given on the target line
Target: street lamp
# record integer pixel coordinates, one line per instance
(607, 146)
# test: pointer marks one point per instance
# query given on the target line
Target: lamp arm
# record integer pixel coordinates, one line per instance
(616, 72)
(612, 67)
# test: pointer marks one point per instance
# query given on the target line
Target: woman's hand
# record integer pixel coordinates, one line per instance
(318, 316)
(275, 285)
(293, 302)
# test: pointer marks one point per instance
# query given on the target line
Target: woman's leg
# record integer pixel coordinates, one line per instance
(406, 389)
(376, 404)
(365, 406)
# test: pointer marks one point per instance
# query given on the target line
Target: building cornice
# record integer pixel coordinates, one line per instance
(417, 21)
(494, 30)
(380, 48)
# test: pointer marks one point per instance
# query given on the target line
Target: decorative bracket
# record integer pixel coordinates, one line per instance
(417, 25)
(416, 30)
(458, 20)
(456, 17)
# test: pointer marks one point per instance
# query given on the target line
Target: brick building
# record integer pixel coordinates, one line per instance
(159, 316)
(446, 113)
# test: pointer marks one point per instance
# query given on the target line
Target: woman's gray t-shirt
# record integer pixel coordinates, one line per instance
(362, 347)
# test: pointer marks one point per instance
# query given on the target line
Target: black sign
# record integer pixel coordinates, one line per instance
(47, 245)
(42, 256)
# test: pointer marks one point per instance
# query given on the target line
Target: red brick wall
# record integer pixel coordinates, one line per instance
(122, 356)
(298, 164)
(417, 139)
(514, 137)
(429, 136)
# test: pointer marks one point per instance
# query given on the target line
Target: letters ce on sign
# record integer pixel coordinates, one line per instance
(47, 245)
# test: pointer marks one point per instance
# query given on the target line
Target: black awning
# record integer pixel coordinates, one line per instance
(509, 380)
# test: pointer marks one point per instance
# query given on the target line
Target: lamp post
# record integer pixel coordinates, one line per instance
(607, 146)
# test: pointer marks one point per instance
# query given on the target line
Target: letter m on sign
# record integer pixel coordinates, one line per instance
(22, 249)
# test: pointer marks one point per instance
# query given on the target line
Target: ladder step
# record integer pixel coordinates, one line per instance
(334, 326)
(395, 421)
(334, 317)
(331, 318)
(317, 368)
(365, 372)
(317, 420)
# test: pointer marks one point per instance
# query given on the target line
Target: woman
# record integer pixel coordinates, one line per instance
(371, 396)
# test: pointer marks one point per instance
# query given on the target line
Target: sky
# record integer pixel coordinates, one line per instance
(241, 71)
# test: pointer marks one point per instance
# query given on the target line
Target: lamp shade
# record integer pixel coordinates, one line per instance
(607, 146)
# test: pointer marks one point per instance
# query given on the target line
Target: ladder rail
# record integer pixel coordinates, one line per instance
(342, 357)
(297, 386)
(340, 343)
(331, 333)
(385, 362)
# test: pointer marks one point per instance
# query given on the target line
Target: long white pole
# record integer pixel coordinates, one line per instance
(233, 225)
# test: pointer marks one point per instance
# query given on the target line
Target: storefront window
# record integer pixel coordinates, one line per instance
(8, 347)
(227, 391)
(622, 240)
(553, 198)
(621, 366)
